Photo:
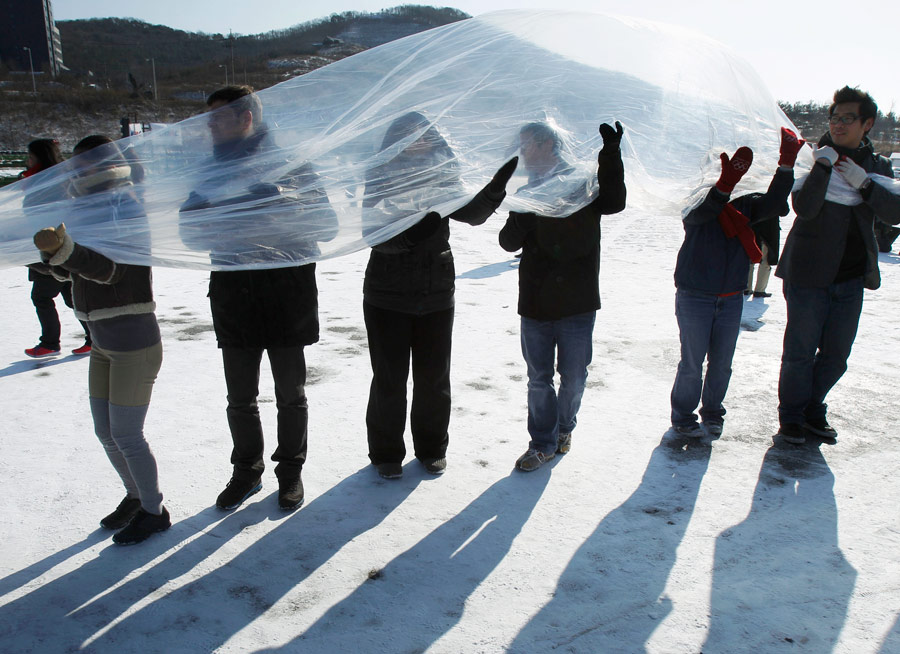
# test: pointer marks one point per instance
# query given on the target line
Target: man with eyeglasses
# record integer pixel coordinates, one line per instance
(829, 257)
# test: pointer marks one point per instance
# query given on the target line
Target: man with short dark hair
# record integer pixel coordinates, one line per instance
(271, 309)
(829, 257)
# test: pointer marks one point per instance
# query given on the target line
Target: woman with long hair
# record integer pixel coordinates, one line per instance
(408, 292)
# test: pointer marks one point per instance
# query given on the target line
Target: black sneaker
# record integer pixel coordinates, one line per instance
(142, 526)
(122, 515)
(435, 466)
(821, 428)
(290, 493)
(236, 492)
(390, 470)
(759, 294)
(793, 433)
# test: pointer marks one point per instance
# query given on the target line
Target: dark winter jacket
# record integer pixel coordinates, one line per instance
(711, 263)
(416, 275)
(413, 272)
(102, 288)
(560, 266)
(260, 308)
(833, 242)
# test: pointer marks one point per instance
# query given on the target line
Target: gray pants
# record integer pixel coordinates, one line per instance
(120, 384)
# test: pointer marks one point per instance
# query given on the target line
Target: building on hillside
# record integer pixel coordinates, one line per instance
(28, 25)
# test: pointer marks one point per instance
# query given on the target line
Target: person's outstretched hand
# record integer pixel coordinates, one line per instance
(612, 138)
(790, 146)
(50, 239)
(734, 168)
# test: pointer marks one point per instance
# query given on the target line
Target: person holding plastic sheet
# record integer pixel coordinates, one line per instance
(263, 309)
(559, 292)
(408, 293)
(711, 272)
(43, 153)
(116, 301)
(829, 257)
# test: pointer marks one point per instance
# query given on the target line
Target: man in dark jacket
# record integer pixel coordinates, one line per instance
(273, 309)
(559, 292)
(710, 275)
(829, 257)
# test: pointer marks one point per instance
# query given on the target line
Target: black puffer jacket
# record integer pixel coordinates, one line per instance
(260, 308)
(560, 266)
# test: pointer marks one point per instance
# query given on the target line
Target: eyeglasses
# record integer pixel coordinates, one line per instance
(846, 119)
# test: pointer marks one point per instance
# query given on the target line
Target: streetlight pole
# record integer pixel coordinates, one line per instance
(225, 66)
(153, 64)
(31, 64)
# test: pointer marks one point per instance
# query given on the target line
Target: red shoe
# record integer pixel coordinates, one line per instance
(39, 351)
(84, 349)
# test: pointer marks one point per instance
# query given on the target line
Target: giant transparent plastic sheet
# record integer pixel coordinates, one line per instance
(353, 153)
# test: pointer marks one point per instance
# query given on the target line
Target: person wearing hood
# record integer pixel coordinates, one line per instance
(408, 291)
(718, 251)
(42, 154)
(116, 301)
(254, 310)
(829, 257)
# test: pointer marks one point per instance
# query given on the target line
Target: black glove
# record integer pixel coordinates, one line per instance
(496, 188)
(424, 228)
(611, 137)
(524, 222)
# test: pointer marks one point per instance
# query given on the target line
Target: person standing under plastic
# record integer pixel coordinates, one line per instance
(272, 310)
(408, 295)
(559, 287)
(719, 248)
(829, 257)
(116, 300)
(42, 154)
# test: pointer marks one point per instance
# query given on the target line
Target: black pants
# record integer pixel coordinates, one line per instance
(392, 337)
(242, 382)
(43, 290)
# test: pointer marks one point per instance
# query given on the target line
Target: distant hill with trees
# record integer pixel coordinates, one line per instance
(112, 63)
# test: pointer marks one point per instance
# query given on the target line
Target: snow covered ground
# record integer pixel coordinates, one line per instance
(633, 542)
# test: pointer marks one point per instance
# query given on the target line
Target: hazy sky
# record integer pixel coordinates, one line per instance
(803, 49)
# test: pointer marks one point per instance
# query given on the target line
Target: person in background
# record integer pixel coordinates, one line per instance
(559, 287)
(116, 301)
(42, 154)
(711, 271)
(408, 295)
(829, 257)
(768, 231)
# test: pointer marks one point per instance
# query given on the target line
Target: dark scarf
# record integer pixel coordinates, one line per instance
(240, 148)
(858, 154)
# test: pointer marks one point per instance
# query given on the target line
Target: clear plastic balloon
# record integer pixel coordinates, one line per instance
(355, 152)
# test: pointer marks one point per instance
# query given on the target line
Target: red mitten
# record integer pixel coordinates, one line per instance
(790, 146)
(733, 169)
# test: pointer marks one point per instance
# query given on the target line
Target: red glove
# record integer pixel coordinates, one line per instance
(733, 169)
(790, 146)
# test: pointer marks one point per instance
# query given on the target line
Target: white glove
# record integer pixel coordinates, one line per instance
(825, 153)
(855, 174)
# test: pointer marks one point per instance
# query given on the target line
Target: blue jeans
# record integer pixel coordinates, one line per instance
(569, 342)
(821, 327)
(708, 327)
